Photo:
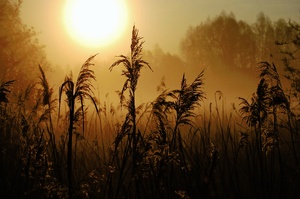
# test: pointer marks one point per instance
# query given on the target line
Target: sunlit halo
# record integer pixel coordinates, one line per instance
(95, 22)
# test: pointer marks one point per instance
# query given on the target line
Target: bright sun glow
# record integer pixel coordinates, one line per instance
(95, 22)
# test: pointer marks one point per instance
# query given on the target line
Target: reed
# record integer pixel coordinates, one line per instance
(77, 92)
(176, 146)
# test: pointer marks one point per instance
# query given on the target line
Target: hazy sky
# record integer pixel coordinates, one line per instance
(162, 22)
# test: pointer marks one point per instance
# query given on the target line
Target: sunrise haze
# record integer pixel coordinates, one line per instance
(159, 22)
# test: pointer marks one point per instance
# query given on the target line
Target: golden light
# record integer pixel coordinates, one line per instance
(95, 22)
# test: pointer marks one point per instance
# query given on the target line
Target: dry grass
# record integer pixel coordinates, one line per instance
(169, 148)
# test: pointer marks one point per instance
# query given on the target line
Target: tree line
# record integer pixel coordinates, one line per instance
(224, 42)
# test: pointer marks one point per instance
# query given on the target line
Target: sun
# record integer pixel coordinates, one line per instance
(95, 23)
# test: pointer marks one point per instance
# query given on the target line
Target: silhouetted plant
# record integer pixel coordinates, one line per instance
(34, 155)
(49, 105)
(181, 153)
(160, 109)
(261, 113)
(77, 92)
(133, 66)
(186, 99)
(289, 47)
(167, 147)
(4, 90)
(273, 94)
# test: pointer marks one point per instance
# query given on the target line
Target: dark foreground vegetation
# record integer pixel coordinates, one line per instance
(177, 146)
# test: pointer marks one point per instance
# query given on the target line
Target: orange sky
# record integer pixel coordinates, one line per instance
(160, 22)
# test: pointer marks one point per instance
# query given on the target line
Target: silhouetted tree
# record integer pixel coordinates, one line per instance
(20, 51)
(289, 44)
(222, 42)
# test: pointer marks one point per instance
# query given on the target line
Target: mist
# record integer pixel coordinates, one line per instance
(192, 100)
(161, 34)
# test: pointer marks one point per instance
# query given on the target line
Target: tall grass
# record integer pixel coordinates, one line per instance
(176, 146)
(133, 66)
(77, 91)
